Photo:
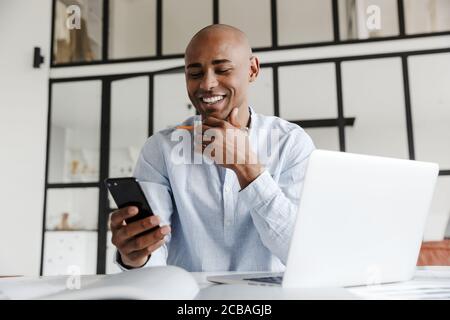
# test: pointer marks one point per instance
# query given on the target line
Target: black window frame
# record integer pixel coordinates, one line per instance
(215, 14)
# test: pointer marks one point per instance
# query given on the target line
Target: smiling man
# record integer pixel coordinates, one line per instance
(219, 215)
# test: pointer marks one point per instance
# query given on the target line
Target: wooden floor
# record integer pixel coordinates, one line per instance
(435, 253)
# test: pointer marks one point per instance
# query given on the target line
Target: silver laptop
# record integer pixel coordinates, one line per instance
(360, 222)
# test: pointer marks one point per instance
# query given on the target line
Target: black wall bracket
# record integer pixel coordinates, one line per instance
(38, 58)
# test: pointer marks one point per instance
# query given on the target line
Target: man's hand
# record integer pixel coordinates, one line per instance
(135, 249)
(228, 145)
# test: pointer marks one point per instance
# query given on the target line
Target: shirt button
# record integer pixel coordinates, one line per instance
(227, 189)
(227, 222)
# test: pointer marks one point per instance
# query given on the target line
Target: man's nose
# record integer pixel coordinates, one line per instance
(209, 81)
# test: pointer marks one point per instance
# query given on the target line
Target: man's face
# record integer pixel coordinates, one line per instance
(218, 71)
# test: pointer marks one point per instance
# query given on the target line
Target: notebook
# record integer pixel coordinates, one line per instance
(151, 283)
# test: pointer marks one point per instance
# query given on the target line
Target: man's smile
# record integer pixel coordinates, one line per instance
(212, 99)
(212, 102)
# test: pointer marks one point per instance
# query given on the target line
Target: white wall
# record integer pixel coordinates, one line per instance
(23, 119)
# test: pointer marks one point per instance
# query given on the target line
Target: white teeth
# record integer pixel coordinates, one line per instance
(212, 99)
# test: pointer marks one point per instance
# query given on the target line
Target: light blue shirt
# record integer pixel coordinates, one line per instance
(215, 225)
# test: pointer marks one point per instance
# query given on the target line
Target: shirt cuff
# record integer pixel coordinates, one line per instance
(118, 261)
(261, 190)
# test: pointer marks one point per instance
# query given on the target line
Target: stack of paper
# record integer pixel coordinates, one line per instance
(429, 283)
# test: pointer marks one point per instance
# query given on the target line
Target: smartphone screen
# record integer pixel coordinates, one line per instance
(128, 192)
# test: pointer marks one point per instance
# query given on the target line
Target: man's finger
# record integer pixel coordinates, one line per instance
(143, 241)
(233, 118)
(139, 226)
(144, 253)
(118, 216)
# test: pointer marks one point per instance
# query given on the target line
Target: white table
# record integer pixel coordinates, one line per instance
(435, 279)
(212, 291)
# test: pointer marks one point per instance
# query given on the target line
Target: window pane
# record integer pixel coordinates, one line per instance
(83, 40)
(129, 124)
(111, 267)
(72, 209)
(251, 16)
(70, 252)
(373, 94)
(261, 93)
(181, 20)
(429, 78)
(422, 16)
(324, 138)
(308, 92)
(171, 105)
(437, 220)
(363, 19)
(132, 28)
(75, 132)
(304, 21)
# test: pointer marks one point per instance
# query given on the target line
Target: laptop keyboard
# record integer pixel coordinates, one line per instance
(275, 280)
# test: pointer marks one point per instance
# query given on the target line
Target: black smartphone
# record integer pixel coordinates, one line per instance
(128, 192)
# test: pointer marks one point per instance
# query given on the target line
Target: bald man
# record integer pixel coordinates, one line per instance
(218, 215)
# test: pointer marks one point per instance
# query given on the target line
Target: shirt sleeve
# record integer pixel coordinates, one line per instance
(273, 204)
(152, 175)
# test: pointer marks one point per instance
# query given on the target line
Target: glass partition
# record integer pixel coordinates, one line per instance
(324, 138)
(364, 19)
(78, 29)
(308, 92)
(132, 28)
(425, 16)
(251, 16)
(261, 93)
(69, 209)
(70, 253)
(373, 93)
(129, 123)
(429, 77)
(75, 132)
(304, 21)
(178, 28)
(171, 105)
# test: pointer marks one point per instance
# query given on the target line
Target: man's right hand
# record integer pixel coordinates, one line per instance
(135, 249)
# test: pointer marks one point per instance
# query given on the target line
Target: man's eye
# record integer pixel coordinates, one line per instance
(222, 71)
(195, 75)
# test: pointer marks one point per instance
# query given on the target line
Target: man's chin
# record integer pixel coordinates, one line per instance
(218, 114)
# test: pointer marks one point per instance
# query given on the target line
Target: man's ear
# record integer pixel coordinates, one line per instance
(254, 68)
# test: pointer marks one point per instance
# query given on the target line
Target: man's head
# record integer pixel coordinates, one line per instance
(219, 67)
